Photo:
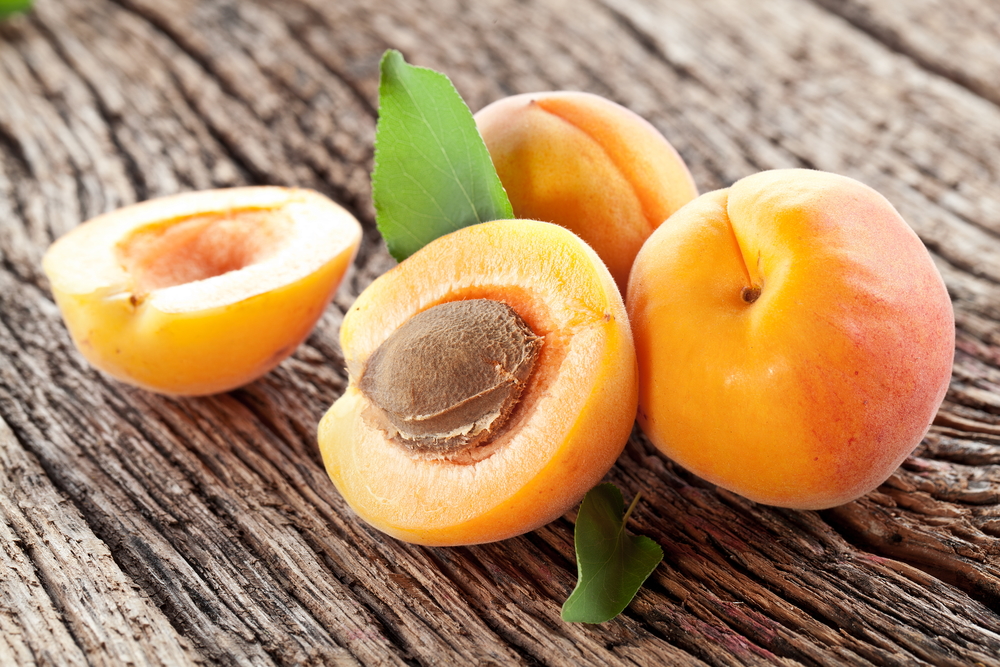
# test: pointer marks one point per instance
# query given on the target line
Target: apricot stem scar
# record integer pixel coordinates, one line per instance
(750, 294)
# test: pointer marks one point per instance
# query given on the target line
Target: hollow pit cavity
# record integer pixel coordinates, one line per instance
(173, 253)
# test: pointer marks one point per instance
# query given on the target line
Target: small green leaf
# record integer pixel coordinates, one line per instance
(8, 7)
(432, 173)
(612, 565)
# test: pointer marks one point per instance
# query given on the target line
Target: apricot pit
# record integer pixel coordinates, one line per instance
(448, 379)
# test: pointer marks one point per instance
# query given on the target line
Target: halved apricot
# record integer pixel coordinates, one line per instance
(201, 292)
(448, 365)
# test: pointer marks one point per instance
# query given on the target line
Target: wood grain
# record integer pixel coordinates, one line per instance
(140, 529)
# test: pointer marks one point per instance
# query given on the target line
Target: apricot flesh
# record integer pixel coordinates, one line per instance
(201, 292)
(794, 338)
(588, 164)
(570, 422)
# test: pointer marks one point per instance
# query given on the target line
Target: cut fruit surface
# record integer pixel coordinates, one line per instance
(201, 292)
(570, 422)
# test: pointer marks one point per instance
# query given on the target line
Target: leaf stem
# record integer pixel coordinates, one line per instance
(628, 512)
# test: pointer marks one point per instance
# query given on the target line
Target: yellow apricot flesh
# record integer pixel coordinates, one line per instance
(569, 426)
(794, 338)
(201, 292)
(587, 164)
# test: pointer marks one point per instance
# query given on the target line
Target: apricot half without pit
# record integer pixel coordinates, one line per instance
(492, 384)
(201, 292)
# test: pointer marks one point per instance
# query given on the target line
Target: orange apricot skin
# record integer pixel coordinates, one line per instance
(214, 343)
(570, 425)
(587, 164)
(811, 393)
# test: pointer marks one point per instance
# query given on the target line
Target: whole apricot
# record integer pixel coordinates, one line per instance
(201, 292)
(794, 338)
(492, 384)
(588, 164)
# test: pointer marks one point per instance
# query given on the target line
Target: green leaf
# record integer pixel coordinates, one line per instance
(8, 7)
(432, 173)
(612, 565)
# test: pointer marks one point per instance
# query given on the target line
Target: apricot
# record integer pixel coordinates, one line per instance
(794, 338)
(492, 384)
(587, 164)
(201, 292)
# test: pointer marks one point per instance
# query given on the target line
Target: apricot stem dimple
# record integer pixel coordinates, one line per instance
(447, 379)
(750, 294)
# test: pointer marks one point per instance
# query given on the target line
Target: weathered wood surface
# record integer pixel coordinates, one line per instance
(137, 529)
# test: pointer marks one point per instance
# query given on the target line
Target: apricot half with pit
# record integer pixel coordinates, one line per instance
(492, 384)
(588, 164)
(201, 292)
(794, 338)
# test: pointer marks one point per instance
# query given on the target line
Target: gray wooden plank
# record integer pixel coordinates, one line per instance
(214, 518)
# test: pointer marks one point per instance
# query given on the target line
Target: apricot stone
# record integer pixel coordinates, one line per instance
(201, 292)
(794, 338)
(450, 376)
(587, 164)
(565, 426)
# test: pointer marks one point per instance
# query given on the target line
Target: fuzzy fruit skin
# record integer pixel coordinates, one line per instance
(570, 425)
(813, 394)
(587, 164)
(218, 338)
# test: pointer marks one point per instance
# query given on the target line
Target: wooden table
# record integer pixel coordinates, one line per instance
(138, 529)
